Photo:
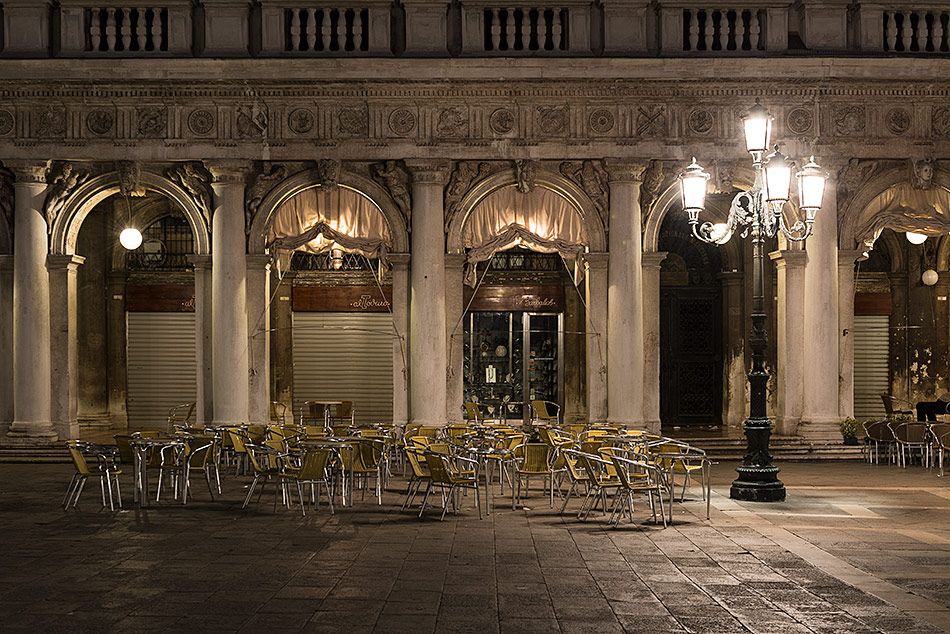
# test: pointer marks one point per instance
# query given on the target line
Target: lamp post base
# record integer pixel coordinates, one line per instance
(757, 484)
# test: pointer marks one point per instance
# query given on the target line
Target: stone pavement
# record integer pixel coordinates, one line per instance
(856, 548)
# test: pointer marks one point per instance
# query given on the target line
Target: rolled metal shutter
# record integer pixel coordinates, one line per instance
(345, 357)
(870, 365)
(161, 366)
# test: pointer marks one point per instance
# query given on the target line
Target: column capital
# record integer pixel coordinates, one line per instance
(55, 262)
(850, 256)
(28, 172)
(229, 171)
(200, 262)
(454, 260)
(430, 171)
(791, 259)
(400, 260)
(652, 259)
(625, 170)
(258, 262)
(596, 261)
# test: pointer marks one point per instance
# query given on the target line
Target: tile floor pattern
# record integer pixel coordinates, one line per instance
(211, 567)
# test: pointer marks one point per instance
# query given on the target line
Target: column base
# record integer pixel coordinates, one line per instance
(820, 431)
(29, 435)
(757, 484)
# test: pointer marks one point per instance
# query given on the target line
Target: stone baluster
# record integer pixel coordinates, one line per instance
(755, 29)
(311, 29)
(709, 30)
(527, 27)
(557, 31)
(510, 28)
(495, 28)
(32, 424)
(140, 30)
(357, 30)
(923, 32)
(693, 29)
(156, 29)
(907, 32)
(325, 30)
(95, 28)
(937, 31)
(891, 30)
(110, 29)
(126, 28)
(295, 29)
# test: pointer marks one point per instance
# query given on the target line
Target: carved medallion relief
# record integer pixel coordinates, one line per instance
(201, 121)
(100, 121)
(402, 121)
(502, 121)
(301, 120)
(799, 120)
(601, 121)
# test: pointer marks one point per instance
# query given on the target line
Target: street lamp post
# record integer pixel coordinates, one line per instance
(757, 213)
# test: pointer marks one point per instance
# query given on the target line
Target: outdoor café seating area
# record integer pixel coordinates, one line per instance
(326, 464)
(904, 440)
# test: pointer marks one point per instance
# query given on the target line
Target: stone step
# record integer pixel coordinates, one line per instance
(45, 454)
(782, 448)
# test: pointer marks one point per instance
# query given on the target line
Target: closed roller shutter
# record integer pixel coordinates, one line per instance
(870, 365)
(345, 357)
(161, 366)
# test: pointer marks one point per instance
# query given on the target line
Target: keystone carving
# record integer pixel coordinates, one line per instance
(129, 173)
(62, 178)
(525, 172)
(723, 181)
(922, 173)
(395, 179)
(260, 184)
(328, 173)
(196, 181)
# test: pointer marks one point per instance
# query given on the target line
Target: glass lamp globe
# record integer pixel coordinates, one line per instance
(930, 277)
(758, 128)
(811, 187)
(693, 189)
(777, 177)
(130, 238)
(916, 238)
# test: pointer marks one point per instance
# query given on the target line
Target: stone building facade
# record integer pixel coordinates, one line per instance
(200, 122)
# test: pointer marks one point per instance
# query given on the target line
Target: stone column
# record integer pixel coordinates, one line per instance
(427, 336)
(899, 345)
(790, 339)
(624, 297)
(650, 263)
(204, 390)
(64, 344)
(117, 349)
(820, 407)
(400, 263)
(282, 334)
(735, 402)
(846, 260)
(228, 293)
(31, 335)
(596, 276)
(6, 342)
(454, 307)
(258, 339)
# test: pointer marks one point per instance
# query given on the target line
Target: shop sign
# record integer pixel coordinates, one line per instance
(342, 299)
(530, 299)
(165, 298)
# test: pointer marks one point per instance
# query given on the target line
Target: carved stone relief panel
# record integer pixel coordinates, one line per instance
(48, 122)
(552, 120)
(260, 182)
(252, 120)
(402, 122)
(701, 121)
(7, 122)
(394, 178)
(898, 120)
(451, 122)
(100, 122)
(651, 121)
(800, 120)
(601, 121)
(301, 120)
(503, 121)
(151, 122)
(62, 178)
(849, 120)
(201, 121)
(353, 121)
(941, 121)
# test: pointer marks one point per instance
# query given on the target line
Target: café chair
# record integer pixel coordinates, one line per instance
(180, 415)
(313, 471)
(105, 470)
(443, 473)
(894, 406)
(635, 476)
(545, 412)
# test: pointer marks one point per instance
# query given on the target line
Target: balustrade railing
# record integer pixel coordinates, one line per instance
(534, 29)
(916, 31)
(133, 29)
(336, 30)
(718, 30)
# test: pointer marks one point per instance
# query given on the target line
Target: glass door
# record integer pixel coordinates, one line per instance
(494, 362)
(544, 376)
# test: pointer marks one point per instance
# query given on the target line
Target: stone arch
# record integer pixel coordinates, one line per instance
(145, 216)
(856, 211)
(596, 235)
(82, 201)
(717, 210)
(307, 179)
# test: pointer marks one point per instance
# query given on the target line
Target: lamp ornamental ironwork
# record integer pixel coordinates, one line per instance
(758, 212)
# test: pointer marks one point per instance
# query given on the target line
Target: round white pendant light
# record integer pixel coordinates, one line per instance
(916, 238)
(929, 277)
(130, 238)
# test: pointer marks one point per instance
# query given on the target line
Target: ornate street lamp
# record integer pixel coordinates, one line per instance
(757, 212)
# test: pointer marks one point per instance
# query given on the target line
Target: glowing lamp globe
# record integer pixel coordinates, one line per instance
(757, 124)
(130, 238)
(929, 277)
(777, 177)
(693, 189)
(916, 238)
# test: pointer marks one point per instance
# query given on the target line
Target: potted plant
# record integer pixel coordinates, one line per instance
(849, 430)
